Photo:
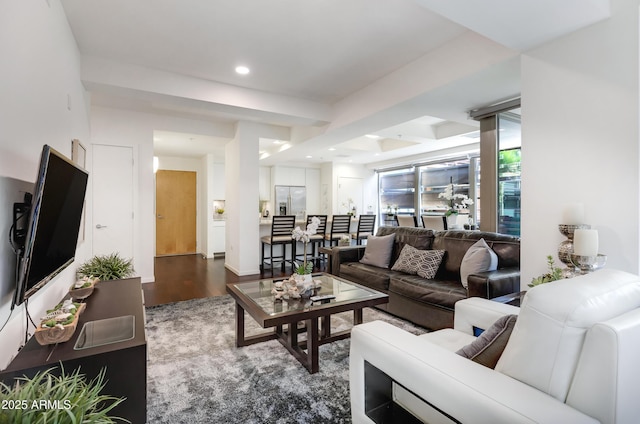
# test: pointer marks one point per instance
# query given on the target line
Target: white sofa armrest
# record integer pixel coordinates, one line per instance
(463, 389)
(481, 313)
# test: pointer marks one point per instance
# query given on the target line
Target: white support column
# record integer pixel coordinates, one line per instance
(242, 200)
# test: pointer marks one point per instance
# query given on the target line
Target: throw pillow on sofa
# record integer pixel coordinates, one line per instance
(479, 258)
(378, 250)
(424, 263)
(488, 347)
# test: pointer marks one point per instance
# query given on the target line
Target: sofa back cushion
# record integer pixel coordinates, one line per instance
(456, 244)
(547, 340)
(420, 238)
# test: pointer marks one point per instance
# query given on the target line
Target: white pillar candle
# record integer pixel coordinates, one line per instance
(573, 214)
(585, 242)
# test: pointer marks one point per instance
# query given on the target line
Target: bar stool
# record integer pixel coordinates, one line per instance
(281, 228)
(366, 224)
(339, 226)
(316, 240)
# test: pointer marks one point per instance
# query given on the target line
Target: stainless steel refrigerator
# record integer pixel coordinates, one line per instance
(291, 200)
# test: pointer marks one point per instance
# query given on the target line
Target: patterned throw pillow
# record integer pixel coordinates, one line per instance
(425, 263)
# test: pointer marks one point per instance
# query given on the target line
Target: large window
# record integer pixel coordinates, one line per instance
(509, 173)
(415, 190)
(397, 194)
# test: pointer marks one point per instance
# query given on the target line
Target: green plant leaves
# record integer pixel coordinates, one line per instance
(50, 399)
(107, 267)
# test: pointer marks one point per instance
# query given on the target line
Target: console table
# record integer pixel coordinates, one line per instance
(125, 361)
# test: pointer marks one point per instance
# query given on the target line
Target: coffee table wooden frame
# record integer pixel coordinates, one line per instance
(286, 328)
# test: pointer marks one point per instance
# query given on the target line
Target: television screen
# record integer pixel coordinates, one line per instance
(54, 223)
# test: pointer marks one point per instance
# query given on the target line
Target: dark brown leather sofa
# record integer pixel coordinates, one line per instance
(430, 303)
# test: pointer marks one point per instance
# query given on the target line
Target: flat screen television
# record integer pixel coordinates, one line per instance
(54, 222)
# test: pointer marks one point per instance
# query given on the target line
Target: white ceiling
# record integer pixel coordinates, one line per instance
(325, 72)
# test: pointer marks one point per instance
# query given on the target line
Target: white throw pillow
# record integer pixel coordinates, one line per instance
(479, 258)
(378, 251)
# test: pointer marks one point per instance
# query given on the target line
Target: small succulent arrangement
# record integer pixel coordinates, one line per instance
(76, 400)
(106, 267)
(554, 274)
(219, 211)
(62, 314)
(84, 282)
(83, 287)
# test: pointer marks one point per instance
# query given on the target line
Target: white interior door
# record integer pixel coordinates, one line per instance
(350, 192)
(112, 200)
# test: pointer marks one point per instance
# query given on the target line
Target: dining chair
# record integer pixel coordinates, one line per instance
(281, 228)
(435, 223)
(406, 221)
(339, 226)
(366, 224)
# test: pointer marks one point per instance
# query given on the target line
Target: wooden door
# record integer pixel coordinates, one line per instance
(112, 178)
(175, 212)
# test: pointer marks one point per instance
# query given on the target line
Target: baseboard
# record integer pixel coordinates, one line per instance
(241, 274)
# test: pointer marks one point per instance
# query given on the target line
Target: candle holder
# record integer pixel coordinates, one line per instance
(565, 250)
(587, 264)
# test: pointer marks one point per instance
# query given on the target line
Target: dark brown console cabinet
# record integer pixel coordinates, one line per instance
(125, 362)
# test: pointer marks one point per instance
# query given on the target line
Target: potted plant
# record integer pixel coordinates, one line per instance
(47, 398)
(106, 267)
(303, 235)
(554, 274)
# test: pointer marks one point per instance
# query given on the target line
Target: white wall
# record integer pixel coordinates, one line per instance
(38, 81)
(129, 128)
(580, 139)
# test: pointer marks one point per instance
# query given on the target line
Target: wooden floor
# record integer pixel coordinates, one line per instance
(187, 277)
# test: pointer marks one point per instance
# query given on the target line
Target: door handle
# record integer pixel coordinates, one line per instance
(160, 217)
(99, 227)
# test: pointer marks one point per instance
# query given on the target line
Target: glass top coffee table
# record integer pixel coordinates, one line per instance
(284, 315)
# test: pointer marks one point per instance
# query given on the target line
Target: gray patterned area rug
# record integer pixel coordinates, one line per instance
(197, 375)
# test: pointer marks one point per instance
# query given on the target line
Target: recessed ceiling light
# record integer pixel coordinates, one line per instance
(242, 70)
(332, 148)
(372, 136)
(308, 156)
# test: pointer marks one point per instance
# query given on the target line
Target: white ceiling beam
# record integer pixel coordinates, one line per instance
(521, 24)
(196, 93)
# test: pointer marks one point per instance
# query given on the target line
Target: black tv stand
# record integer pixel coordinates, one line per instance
(125, 362)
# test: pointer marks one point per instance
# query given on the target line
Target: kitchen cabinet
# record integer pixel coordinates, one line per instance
(287, 175)
(312, 177)
(219, 236)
